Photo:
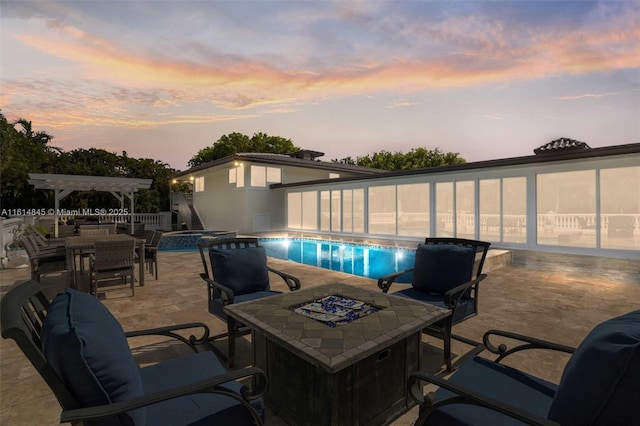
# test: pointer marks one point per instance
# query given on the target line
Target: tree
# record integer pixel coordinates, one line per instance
(417, 158)
(23, 151)
(235, 142)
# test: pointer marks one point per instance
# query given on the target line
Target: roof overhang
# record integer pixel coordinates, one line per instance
(88, 183)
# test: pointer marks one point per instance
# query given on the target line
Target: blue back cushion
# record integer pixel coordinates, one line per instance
(601, 382)
(441, 267)
(87, 348)
(243, 270)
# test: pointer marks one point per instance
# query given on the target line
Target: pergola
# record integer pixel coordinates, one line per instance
(63, 185)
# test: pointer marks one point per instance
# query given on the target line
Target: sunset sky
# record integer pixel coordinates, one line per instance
(164, 79)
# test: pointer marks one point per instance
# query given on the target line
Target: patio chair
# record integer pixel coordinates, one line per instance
(237, 272)
(81, 352)
(42, 262)
(42, 241)
(112, 259)
(151, 251)
(600, 384)
(89, 231)
(445, 274)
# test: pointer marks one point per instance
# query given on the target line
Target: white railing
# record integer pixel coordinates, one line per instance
(154, 221)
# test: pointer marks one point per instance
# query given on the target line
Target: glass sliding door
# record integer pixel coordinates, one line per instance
(413, 210)
(382, 210)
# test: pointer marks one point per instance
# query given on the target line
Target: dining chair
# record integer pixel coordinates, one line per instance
(112, 259)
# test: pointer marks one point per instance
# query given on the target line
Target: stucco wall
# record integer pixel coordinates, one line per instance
(222, 206)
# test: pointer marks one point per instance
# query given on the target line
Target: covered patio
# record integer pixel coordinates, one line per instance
(63, 185)
(560, 303)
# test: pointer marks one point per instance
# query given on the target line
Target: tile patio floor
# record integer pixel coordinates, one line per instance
(554, 305)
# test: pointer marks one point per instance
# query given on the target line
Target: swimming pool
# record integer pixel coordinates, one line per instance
(365, 261)
(188, 240)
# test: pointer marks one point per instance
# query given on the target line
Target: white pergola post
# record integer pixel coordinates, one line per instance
(59, 195)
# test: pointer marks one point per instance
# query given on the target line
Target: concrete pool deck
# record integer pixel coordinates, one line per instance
(551, 298)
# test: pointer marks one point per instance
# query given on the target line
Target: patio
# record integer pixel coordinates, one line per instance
(559, 304)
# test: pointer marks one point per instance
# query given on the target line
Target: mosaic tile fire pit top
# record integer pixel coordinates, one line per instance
(334, 310)
(334, 348)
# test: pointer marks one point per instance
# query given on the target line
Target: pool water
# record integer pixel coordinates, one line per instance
(365, 261)
(188, 240)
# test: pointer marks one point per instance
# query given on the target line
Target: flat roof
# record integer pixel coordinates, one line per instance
(284, 160)
(560, 155)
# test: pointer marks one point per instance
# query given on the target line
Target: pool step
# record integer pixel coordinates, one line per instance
(496, 259)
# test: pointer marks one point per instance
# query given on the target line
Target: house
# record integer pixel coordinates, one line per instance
(566, 198)
(234, 192)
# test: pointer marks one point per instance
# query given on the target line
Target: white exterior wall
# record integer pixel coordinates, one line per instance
(223, 206)
(563, 238)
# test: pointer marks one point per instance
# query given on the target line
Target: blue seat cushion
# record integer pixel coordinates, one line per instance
(464, 309)
(497, 381)
(441, 267)
(601, 382)
(243, 270)
(87, 348)
(196, 409)
(216, 306)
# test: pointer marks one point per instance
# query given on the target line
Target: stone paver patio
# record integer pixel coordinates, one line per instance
(560, 305)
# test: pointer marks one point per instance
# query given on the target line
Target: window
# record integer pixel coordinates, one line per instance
(236, 175)
(619, 209)
(358, 210)
(336, 225)
(561, 199)
(325, 211)
(514, 210)
(444, 209)
(310, 210)
(274, 175)
(294, 210)
(382, 210)
(258, 176)
(465, 209)
(503, 209)
(490, 209)
(413, 210)
(198, 184)
(261, 176)
(347, 210)
(240, 177)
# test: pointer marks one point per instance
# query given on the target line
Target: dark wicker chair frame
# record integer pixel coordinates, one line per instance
(151, 253)
(451, 297)
(112, 259)
(430, 402)
(43, 261)
(23, 310)
(215, 290)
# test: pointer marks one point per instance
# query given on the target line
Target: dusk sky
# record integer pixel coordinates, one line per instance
(164, 79)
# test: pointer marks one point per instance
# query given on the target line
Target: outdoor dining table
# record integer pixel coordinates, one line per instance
(75, 246)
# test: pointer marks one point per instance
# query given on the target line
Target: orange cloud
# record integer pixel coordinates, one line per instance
(115, 80)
